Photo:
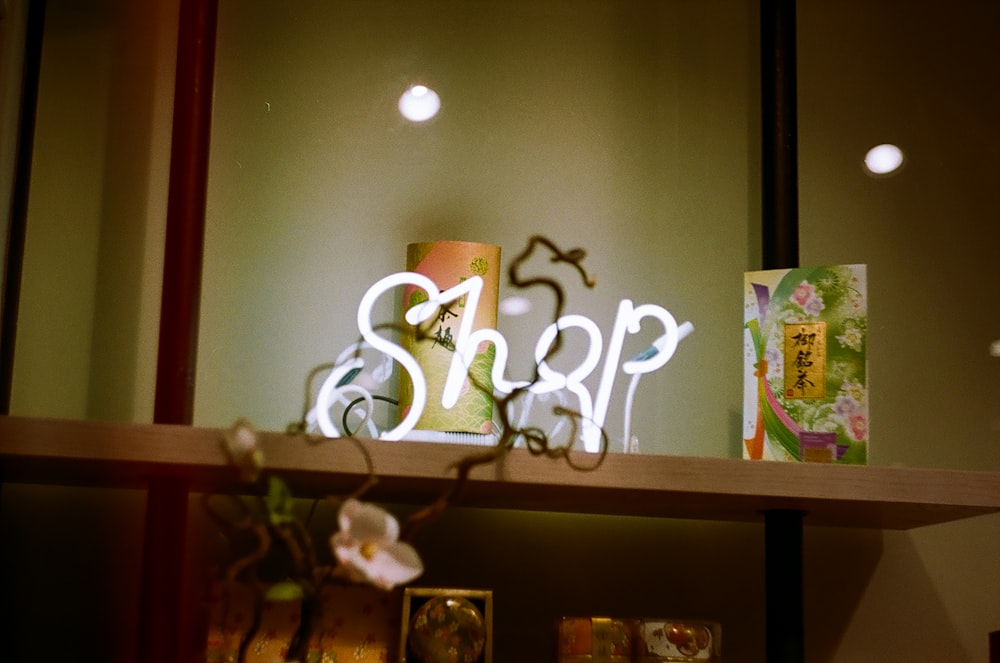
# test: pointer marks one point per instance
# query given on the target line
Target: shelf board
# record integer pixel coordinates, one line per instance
(87, 453)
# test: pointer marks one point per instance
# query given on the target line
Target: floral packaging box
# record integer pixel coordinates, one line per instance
(805, 334)
(679, 640)
(356, 623)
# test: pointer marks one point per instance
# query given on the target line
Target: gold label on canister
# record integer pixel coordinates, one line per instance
(805, 360)
(601, 643)
(595, 640)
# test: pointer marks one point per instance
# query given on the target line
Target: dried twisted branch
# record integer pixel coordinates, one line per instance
(285, 535)
(535, 439)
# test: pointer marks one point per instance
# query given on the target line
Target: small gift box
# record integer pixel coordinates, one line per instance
(446, 625)
(355, 623)
(805, 365)
(679, 640)
(595, 640)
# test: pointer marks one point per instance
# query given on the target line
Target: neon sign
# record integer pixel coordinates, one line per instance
(594, 409)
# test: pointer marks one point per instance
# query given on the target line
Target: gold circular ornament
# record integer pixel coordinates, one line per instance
(447, 629)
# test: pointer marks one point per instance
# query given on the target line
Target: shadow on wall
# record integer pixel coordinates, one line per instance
(544, 566)
(838, 566)
(70, 572)
(930, 575)
(640, 567)
(869, 595)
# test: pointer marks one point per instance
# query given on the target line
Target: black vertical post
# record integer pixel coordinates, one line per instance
(17, 226)
(166, 630)
(784, 595)
(779, 131)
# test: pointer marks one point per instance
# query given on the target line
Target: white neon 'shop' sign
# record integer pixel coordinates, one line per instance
(594, 410)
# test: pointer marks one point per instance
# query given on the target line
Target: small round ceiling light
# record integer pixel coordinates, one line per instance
(515, 305)
(419, 103)
(883, 160)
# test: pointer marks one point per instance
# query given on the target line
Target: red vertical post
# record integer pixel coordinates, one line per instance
(164, 624)
(175, 372)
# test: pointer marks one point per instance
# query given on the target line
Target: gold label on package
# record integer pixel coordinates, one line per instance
(805, 360)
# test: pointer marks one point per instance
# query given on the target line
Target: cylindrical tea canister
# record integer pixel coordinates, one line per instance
(688, 640)
(595, 640)
(433, 345)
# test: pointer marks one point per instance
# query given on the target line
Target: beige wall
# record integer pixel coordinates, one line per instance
(89, 313)
(628, 128)
(88, 320)
(12, 28)
(623, 128)
(924, 76)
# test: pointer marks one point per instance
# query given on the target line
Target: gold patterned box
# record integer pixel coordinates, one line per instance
(446, 625)
(678, 640)
(805, 365)
(353, 624)
(596, 640)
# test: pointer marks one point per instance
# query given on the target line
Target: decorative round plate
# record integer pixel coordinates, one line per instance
(447, 629)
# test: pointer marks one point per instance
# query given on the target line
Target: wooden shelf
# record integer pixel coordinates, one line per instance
(86, 453)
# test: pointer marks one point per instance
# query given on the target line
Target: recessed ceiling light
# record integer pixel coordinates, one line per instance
(515, 305)
(419, 103)
(883, 159)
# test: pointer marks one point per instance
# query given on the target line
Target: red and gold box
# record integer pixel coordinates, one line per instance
(678, 640)
(596, 640)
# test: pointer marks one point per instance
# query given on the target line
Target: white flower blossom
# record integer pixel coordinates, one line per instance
(368, 547)
(243, 448)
